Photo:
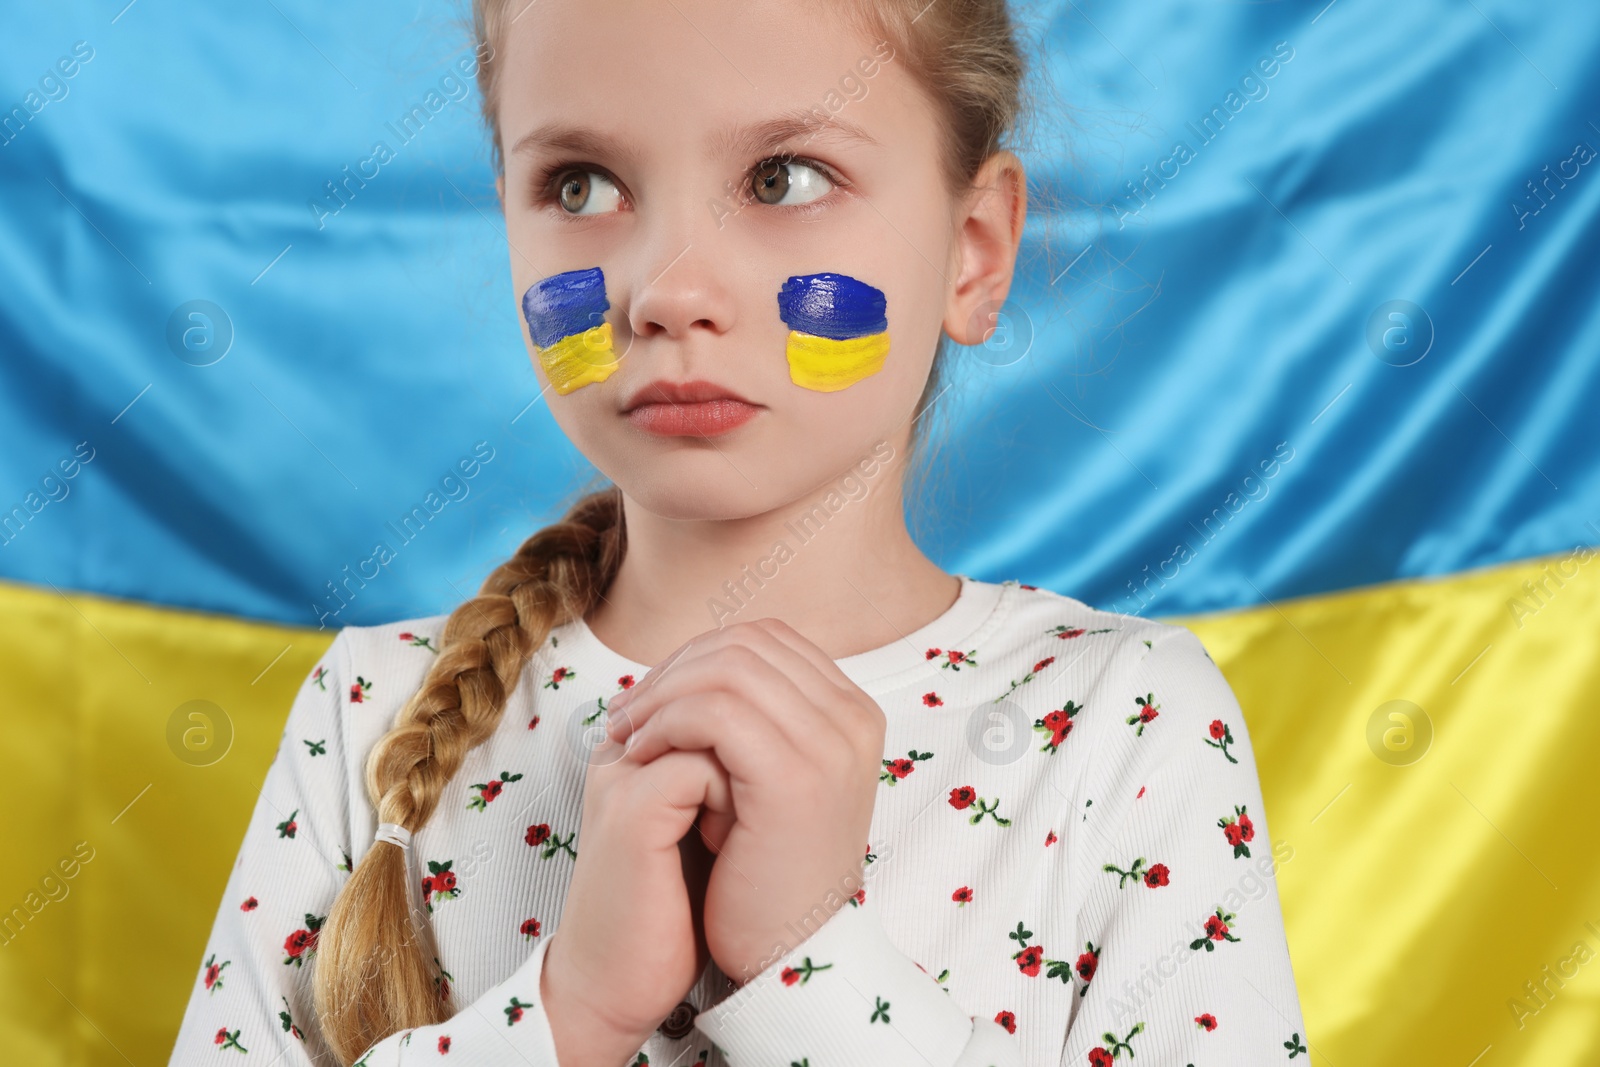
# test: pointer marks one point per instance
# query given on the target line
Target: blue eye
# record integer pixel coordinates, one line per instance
(783, 183)
(587, 192)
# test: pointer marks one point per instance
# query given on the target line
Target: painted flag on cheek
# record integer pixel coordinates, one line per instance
(838, 330)
(566, 319)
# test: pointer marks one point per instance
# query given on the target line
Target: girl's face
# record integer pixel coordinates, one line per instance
(745, 195)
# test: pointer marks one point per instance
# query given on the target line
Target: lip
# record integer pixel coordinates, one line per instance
(688, 409)
(662, 391)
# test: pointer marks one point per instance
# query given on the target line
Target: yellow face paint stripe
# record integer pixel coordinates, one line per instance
(827, 365)
(581, 359)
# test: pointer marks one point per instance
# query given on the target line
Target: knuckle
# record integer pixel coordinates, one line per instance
(743, 657)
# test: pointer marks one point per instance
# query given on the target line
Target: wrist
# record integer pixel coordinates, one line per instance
(584, 1035)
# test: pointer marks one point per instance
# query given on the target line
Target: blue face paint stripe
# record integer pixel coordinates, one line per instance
(565, 304)
(835, 306)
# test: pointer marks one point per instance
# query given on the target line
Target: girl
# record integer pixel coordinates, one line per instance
(721, 768)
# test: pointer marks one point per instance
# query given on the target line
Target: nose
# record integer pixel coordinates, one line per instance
(681, 282)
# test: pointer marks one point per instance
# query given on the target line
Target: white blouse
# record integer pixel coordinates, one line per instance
(1068, 862)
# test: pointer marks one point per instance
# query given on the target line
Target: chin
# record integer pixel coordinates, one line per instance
(701, 485)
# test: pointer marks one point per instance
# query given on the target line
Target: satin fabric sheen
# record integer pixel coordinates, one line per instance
(1160, 354)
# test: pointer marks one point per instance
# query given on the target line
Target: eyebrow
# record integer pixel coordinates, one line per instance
(747, 139)
(770, 134)
(577, 140)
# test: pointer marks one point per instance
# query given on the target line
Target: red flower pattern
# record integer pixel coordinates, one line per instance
(1056, 724)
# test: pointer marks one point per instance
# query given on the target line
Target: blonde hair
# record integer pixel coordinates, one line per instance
(371, 977)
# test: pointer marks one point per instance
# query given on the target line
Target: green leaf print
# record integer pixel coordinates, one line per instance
(963, 797)
(288, 1021)
(802, 974)
(954, 659)
(1216, 929)
(230, 1039)
(896, 769)
(1148, 710)
(1221, 737)
(487, 791)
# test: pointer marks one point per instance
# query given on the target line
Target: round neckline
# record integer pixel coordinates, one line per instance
(979, 608)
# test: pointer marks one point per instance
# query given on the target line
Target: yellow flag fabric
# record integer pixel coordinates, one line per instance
(1425, 750)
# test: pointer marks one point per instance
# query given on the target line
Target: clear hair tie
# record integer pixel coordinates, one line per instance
(394, 833)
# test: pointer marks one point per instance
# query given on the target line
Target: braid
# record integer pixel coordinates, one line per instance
(370, 979)
(370, 975)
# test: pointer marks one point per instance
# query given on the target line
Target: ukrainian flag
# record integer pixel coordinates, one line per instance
(566, 320)
(1306, 362)
(838, 330)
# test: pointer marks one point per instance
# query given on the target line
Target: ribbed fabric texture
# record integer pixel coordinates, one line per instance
(1037, 870)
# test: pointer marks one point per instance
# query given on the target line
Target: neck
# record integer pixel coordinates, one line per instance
(842, 570)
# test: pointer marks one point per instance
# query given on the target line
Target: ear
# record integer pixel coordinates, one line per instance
(500, 191)
(985, 252)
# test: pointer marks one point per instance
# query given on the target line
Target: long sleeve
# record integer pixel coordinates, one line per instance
(846, 995)
(253, 993)
(1179, 931)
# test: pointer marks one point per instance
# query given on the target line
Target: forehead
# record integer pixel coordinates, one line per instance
(703, 69)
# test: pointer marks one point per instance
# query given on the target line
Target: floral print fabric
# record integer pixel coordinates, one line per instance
(1069, 862)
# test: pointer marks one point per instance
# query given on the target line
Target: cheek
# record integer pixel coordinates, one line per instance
(838, 330)
(566, 320)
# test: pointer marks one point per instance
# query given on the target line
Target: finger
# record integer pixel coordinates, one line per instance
(745, 742)
(787, 649)
(851, 704)
(803, 646)
(776, 679)
(743, 671)
(654, 674)
(700, 645)
(715, 827)
(672, 789)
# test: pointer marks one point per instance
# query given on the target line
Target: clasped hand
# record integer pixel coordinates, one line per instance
(732, 823)
(800, 744)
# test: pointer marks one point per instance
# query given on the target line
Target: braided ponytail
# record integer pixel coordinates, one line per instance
(371, 977)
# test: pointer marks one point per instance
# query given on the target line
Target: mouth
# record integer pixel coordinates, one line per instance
(688, 409)
(700, 418)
